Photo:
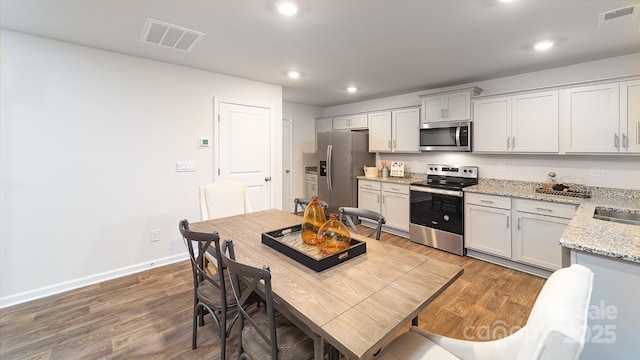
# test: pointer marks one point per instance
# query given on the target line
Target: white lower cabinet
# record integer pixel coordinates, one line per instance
(310, 185)
(520, 230)
(395, 205)
(487, 224)
(369, 195)
(537, 240)
(389, 199)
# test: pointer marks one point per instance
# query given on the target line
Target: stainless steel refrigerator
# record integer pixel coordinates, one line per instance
(342, 156)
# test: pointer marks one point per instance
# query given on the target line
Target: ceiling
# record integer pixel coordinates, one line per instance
(383, 47)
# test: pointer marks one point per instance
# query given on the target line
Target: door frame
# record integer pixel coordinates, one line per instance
(287, 206)
(276, 137)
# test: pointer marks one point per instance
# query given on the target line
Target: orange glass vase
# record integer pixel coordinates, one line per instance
(333, 236)
(311, 221)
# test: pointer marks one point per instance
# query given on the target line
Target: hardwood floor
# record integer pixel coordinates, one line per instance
(148, 315)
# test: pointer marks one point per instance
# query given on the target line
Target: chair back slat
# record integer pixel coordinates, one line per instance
(349, 212)
(252, 277)
(303, 202)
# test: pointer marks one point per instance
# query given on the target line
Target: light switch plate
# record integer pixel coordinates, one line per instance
(185, 165)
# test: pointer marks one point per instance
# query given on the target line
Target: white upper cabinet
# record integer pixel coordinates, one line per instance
(526, 123)
(380, 131)
(394, 130)
(450, 106)
(491, 125)
(630, 116)
(590, 118)
(350, 122)
(534, 122)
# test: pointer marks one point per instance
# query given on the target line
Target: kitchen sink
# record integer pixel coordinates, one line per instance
(617, 216)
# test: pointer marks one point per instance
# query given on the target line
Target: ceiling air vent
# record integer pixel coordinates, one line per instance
(619, 16)
(169, 35)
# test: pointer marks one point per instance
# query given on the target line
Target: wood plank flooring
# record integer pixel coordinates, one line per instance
(148, 315)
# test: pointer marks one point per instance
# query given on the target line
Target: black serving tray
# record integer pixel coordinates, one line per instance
(289, 242)
(585, 194)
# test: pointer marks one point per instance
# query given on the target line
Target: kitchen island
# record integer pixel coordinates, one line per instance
(610, 249)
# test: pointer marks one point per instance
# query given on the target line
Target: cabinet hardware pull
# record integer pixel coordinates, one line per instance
(395, 146)
(625, 141)
(486, 201)
(442, 113)
(378, 199)
(518, 223)
(383, 199)
(508, 138)
(389, 144)
(396, 189)
(513, 142)
(616, 140)
(544, 209)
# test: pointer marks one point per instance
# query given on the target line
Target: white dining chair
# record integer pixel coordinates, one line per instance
(556, 328)
(224, 198)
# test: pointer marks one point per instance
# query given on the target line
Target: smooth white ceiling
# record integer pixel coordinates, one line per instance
(384, 47)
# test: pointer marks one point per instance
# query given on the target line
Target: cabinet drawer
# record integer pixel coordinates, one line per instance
(365, 184)
(396, 188)
(500, 202)
(311, 177)
(545, 208)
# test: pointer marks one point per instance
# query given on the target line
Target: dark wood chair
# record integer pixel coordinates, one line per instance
(211, 292)
(265, 333)
(349, 212)
(303, 202)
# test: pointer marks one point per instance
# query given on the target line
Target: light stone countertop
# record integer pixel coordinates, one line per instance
(393, 179)
(583, 233)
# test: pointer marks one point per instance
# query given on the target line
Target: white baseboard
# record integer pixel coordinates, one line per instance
(78, 283)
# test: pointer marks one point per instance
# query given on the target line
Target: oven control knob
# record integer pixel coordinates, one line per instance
(465, 170)
(446, 218)
(470, 171)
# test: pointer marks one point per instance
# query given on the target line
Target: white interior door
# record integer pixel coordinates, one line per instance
(286, 165)
(244, 150)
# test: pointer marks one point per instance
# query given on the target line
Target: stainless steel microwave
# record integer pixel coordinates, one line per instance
(446, 136)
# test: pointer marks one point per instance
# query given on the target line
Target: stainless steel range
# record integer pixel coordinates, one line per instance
(437, 207)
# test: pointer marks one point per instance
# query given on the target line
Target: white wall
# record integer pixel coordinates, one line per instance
(615, 171)
(304, 130)
(90, 139)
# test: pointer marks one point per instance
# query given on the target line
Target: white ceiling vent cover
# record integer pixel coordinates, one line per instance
(619, 16)
(169, 35)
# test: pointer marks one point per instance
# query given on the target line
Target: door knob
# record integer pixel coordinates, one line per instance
(287, 171)
(268, 178)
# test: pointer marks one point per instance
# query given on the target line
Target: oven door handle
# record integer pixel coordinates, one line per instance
(436, 191)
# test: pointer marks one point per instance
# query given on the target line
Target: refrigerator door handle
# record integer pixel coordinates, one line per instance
(329, 154)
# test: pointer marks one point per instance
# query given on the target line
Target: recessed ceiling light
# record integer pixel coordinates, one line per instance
(293, 74)
(288, 8)
(543, 45)
(352, 89)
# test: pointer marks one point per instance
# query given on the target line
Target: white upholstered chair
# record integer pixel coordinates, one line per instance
(556, 328)
(224, 198)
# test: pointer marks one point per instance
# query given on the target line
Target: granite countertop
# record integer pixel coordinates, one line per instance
(393, 179)
(583, 233)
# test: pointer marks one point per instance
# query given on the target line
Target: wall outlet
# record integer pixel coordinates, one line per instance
(595, 171)
(155, 235)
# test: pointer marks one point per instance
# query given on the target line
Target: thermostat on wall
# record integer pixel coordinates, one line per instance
(203, 142)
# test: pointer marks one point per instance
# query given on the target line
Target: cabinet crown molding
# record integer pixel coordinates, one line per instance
(475, 91)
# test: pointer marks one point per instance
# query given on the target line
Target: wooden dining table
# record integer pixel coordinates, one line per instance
(357, 306)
